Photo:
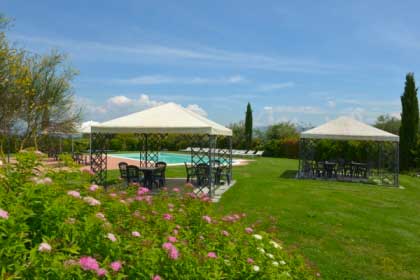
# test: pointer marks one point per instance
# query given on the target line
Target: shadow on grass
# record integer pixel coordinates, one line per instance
(288, 174)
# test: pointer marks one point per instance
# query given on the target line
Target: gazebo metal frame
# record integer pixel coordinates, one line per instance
(385, 159)
(203, 150)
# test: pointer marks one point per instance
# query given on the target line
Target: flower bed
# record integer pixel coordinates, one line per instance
(58, 226)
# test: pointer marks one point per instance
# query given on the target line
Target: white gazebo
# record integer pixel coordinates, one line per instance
(386, 156)
(151, 125)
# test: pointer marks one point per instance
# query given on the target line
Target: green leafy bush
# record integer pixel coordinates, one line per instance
(57, 226)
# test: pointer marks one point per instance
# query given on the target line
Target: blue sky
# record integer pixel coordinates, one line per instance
(303, 61)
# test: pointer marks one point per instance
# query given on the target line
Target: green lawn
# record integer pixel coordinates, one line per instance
(346, 230)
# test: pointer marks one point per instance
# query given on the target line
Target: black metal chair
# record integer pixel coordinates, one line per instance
(123, 171)
(308, 169)
(133, 174)
(202, 173)
(319, 169)
(190, 170)
(159, 175)
(222, 171)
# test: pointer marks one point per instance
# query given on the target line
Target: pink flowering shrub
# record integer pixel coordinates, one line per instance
(66, 230)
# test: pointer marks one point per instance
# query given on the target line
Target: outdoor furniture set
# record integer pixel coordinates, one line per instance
(149, 177)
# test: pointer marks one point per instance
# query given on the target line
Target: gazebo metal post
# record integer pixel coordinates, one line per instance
(211, 163)
(304, 150)
(98, 157)
(380, 163)
(230, 158)
(145, 149)
(149, 146)
(8, 147)
(300, 158)
(397, 164)
(72, 145)
(90, 150)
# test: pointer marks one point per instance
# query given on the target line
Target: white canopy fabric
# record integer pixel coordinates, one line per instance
(166, 118)
(345, 128)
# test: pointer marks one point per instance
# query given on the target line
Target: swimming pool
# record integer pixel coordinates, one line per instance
(169, 158)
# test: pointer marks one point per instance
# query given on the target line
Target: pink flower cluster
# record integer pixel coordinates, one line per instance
(89, 171)
(192, 195)
(171, 249)
(225, 233)
(45, 181)
(44, 247)
(142, 191)
(111, 237)
(233, 218)
(147, 198)
(91, 201)
(101, 216)
(172, 239)
(205, 198)
(249, 230)
(93, 187)
(75, 194)
(89, 263)
(207, 219)
(116, 266)
(167, 216)
(4, 214)
(212, 255)
(135, 234)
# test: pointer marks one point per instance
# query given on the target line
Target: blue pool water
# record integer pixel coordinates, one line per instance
(169, 158)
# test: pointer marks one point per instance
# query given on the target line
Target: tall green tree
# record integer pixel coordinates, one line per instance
(409, 122)
(248, 126)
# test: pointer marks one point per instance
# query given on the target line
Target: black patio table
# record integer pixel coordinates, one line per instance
(148, 175)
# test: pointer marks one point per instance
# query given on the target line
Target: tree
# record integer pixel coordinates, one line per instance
(409, 123)
(13, 77)
(248, 126)
(238, 135)
(48, 104)
(281, 130)
(388, 123)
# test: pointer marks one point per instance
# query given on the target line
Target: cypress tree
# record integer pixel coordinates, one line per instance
(248, 126)
(409, 122)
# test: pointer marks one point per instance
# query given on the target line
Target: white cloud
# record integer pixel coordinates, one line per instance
(120, 105)
(144, 100)
(161, 79)
(298, 109)
(146, 80)
(331, 103)
(142, 52)
(275, 114)
(270, 87)
(119, 100)
(197, 109)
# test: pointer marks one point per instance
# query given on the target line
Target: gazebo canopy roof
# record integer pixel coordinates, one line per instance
(345, 128)
(166, 118)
